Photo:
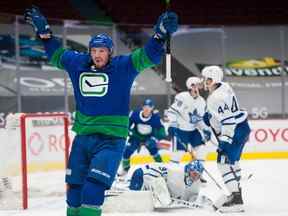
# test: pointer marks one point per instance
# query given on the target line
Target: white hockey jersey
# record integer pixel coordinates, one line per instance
(225, 112)
(186, 112)
(174, 176)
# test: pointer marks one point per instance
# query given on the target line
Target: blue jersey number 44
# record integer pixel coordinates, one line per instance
(233, 108)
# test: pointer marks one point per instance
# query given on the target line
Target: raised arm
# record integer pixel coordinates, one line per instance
(150, 55)
(38, 21)
(57, 55)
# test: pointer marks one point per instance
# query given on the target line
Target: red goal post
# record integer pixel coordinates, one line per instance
(58, 118)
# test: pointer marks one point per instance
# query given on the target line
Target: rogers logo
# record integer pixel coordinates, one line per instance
(262, 135)
(36, 143)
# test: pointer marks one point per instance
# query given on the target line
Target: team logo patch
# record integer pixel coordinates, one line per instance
(92, 84)
(194, 117)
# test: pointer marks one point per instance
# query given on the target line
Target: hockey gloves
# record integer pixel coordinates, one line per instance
(166, 25)
(206, 118)
(39, 22)
(206, 135)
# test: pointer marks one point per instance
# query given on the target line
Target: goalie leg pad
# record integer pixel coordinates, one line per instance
(129, 201)
(160, 194)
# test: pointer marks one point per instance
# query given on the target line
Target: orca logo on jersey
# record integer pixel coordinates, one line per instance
(93, 85)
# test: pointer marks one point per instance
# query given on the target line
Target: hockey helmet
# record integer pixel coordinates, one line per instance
(101, 40)
(193, 170)
(192, 81)
(214, 72)
(149, 103)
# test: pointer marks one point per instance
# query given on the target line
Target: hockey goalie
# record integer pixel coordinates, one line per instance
(172, 185)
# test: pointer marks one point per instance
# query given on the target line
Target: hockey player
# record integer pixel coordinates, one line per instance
(145, 128)
(170, 182)
(102, 86)
(186, 126)
(231, 127)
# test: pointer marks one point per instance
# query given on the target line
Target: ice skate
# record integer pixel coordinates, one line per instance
(234, 203)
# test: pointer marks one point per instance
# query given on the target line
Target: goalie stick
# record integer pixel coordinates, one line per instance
(179, 203)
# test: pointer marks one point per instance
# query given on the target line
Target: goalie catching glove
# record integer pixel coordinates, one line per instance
(39, 22)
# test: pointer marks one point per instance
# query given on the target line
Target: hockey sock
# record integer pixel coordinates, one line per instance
(89, 211)
(126, 164)
(157, 158)
(74, 196)
(231, 176)
(72, 211)
(93, 193)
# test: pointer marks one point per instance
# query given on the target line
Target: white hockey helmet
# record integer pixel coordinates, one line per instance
(192, 81)
(214, 72)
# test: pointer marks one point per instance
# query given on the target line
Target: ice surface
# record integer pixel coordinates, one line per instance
(265, 194)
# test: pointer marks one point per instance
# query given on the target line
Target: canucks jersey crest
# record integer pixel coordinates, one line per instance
(93, 84)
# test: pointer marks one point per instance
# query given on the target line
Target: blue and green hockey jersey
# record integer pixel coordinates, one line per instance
(102, 95)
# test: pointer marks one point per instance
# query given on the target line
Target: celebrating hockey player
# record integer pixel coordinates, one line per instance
(102, 86)
(186, 126)
(145, 128)
(171, 183)
(231, 127)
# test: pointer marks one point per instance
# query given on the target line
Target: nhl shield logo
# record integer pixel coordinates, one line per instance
(93, 85)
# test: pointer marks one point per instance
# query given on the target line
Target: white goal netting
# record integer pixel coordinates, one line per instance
(32, 146)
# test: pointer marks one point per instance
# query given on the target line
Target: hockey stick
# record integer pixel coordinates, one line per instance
(112, 193)
(213, 179)
(192, 153)
(168, 50)
(179, 203)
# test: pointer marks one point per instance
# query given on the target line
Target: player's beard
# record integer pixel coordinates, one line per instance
(100, 63)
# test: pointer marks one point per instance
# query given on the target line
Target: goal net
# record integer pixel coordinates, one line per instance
(34, 149)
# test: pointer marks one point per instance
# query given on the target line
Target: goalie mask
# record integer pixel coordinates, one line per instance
(193, 171)
(212, 75)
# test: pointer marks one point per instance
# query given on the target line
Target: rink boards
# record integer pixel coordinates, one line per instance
(268, 140)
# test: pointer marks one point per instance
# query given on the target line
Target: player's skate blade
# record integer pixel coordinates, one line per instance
(231, 209)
